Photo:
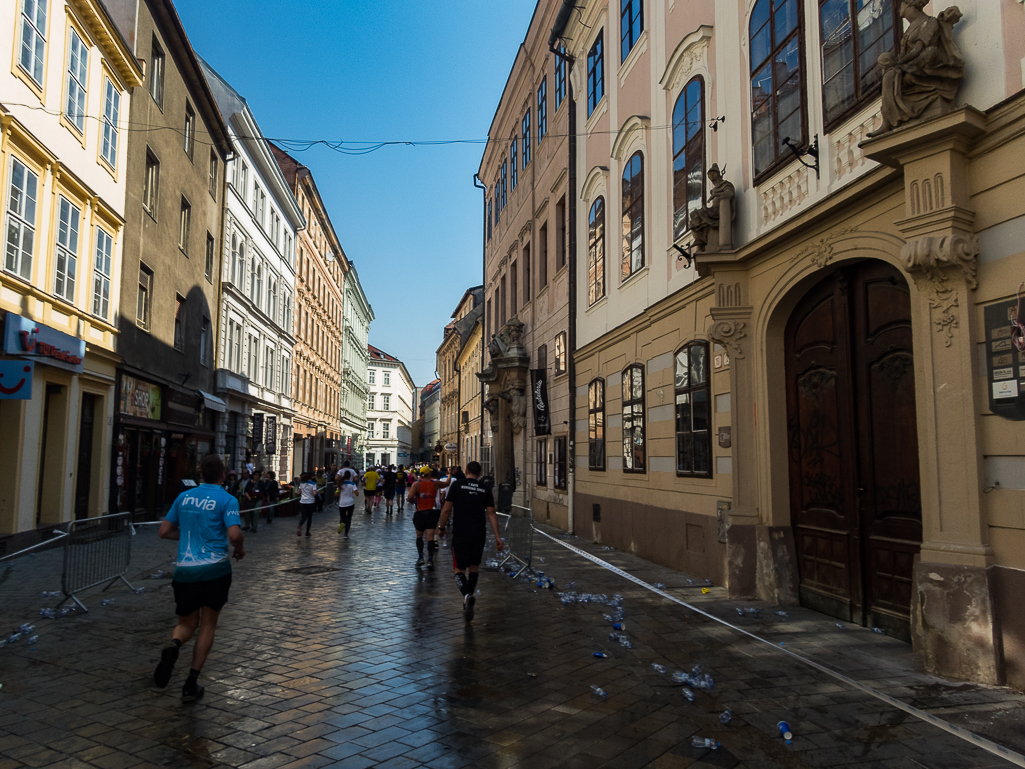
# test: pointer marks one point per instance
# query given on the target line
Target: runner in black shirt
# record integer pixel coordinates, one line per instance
(390, 478)
(471, 505)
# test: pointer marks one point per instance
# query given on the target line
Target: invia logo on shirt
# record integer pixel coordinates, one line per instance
(203, 504)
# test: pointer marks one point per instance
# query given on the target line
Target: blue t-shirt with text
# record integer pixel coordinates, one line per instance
(203, 515)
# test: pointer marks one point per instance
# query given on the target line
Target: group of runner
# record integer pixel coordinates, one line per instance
(205, 521)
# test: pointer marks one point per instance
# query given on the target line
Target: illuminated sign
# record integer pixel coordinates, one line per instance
(29, 339)
(15, 380)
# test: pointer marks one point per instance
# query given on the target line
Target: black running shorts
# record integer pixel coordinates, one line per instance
(467, 551)
(389, 493)
(210, 594)
(426, 519)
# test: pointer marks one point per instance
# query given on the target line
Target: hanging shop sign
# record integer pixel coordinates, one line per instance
(539, 396)
(451, 448)
(183, 408)
(28, 339)
(272, 434)
(257, 430)
(139, 398)
(16, 380)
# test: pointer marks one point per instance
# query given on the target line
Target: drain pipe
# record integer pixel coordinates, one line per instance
(561, 20)
(484, 298)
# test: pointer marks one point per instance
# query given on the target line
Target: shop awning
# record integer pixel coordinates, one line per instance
(213, 403)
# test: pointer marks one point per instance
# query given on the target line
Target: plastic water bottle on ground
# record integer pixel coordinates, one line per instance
(679, 677)
(688, 694)
(782, 614)
(106, 602)
(704, 742)
(725, 716)
(625, 642)
(660, 586)
(27, 628)
(841, 626)
(48, 613)
(597, 691)
(51, 593)
(878, 631)
(13, 638)
(600, 655)
(158, 574)
(33, 639)
(140, 590)
(658, 668)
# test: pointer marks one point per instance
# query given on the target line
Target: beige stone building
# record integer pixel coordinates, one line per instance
(468, 312)
(824, 410)
(468, 366)
(529, 251)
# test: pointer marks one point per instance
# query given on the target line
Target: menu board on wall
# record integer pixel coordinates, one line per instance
(1005, 364)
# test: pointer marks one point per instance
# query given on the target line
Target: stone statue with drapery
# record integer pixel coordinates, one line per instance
(713, 224)
(921, 80)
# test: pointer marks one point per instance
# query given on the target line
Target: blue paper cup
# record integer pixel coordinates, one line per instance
(784, 731)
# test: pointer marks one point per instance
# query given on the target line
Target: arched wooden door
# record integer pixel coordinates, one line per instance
(853, 446)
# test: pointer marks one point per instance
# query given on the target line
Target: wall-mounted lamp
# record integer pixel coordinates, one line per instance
(714, 125)
(685, 255)
(812, 151)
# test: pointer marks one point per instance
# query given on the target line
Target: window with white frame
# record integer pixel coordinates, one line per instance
(33, 39)
(151, 183)
(101, 273)
(66, 266)
(386, 430)
(179, 323)
(286, 376)
(386, 402)
(156, 74)
(111, 111)
(189, 135)
(370, 429)
(21, 220)
(371, 401)
(184, 226)
(268, 368)
(78, 76)
(371, 376)
(387, 379)
(254, 357)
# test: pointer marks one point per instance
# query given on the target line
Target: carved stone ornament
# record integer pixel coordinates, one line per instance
(728, 333)
(491, 406)
(508, 340)
(920, 80)
(712, 224)
(518, 413)
(820, 253)
(932, 258)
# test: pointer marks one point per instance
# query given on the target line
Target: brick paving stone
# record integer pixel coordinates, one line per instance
(371, 665)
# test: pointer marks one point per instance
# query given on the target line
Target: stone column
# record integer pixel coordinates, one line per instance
(953, 621)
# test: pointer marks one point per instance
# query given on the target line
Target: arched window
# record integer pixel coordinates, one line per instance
(777, 81)
(596, 425)
(633, 216)
(693, 412)
(596, 252)
(633, 420)
(688, 154)
(854, 33)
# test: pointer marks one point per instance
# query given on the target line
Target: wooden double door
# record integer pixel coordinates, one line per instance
(853, 446)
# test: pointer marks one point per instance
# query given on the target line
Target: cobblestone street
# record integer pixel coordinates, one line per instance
(334, 653)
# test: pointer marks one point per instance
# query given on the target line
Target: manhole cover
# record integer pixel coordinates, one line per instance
(309, 570)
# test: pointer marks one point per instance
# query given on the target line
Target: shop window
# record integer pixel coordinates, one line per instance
(693, 412)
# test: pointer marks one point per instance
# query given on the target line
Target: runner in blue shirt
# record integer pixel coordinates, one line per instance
(203, 520)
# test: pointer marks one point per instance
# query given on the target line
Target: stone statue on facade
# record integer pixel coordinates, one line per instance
(518, 413)
(491, 406)
(921, 80)
(712, 225)
(508, 339)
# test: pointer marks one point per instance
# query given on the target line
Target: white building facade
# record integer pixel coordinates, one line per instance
(358, 315)
(255, 349)
(389, 410)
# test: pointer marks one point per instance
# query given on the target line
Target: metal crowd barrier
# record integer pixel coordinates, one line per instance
(518, 535)
(96, 551)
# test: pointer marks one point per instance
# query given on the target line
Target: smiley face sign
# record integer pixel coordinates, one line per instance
(16, 380)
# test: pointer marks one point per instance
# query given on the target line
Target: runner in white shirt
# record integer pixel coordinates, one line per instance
(347, 493)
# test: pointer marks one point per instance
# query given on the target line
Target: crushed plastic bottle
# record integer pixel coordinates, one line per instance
(840, 626)
(27, 628)
(878, 631)
(33, 639)
(703, 742)
(625, 642)
(48, 613)
(690, 582)
(725, 716)
(607, 547)
(140, 590)
(491, 563)
(600, 655)
(597, 691)
(679, 677)
(704, 681)
(782, 614)
(51, 593)
(66, 611)
(658, 668)
(740, 612)
(708, 582)
(659, 586)
(158, 574)
(106, 602)
(13, 638)
(688, 694)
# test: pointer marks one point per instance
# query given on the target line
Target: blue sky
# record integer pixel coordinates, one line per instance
(391, 70)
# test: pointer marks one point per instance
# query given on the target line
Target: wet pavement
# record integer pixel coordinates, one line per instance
(335, 653)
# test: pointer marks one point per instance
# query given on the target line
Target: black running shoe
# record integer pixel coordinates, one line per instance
(468, 603)
(430, 563)
(192, 693)
(162, 675)
(419, 562)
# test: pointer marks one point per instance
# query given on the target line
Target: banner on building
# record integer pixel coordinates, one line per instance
(272, 434)
(539, 397)
(257, 430)
(139, 398)
(16, 380)
(28, 339)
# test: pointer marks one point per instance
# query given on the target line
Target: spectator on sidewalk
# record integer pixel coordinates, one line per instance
(251, 502)
(232, 485)
(203, 521)
(271, 494)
